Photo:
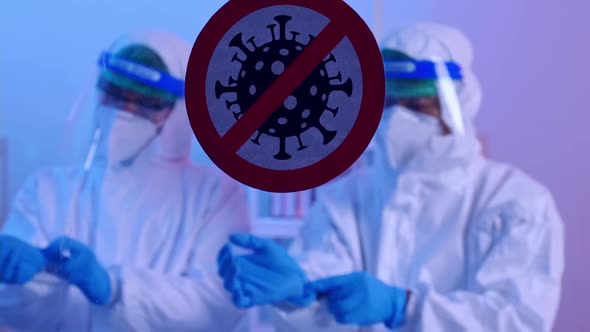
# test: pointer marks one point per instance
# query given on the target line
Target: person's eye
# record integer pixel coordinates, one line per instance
(415, 107)
(155, 104)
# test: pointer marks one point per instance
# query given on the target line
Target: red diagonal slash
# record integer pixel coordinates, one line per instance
(284, 85)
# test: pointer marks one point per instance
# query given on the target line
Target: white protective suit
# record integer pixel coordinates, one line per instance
(479, 243)
(156, 226)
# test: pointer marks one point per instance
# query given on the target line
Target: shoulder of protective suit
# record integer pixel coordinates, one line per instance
(52, 175)
(210, 175)
(46, 181)
(503, 184)
(342, 187)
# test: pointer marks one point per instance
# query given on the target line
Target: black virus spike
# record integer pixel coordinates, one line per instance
(237, 58)
(229, 104)
(327, 134)
(271, 27)
(232, 81)
(334, 111)
(282, 154)
(282, 20)
(251, 42)
(330, 58)
(236, 41)
(221, 89)
(336, 77)
(345, 87)
(301, 146)
(256, 140)
(294, 35)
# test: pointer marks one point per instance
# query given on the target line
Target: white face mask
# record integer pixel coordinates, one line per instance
(407, 134)
(124, 136)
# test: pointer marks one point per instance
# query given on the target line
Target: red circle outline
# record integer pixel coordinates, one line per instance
(333, 164)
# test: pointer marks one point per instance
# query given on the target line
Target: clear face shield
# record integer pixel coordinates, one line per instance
(427, 90)
(117, 102)
(445, 75)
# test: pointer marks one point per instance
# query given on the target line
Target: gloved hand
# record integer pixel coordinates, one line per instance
(266, 276)
(19, 261)
(78, 265)
(361, 299)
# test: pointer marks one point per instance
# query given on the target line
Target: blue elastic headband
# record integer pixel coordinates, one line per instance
(418, 70)
(142, 74)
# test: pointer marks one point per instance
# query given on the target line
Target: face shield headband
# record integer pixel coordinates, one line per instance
(143, 74)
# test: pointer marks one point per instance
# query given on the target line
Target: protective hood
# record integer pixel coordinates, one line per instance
(174, 142)
(425, 41)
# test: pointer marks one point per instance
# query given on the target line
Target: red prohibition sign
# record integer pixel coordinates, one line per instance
(343, 22)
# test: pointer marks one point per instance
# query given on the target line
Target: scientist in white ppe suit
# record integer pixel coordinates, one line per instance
(128, 241)
(435, 237)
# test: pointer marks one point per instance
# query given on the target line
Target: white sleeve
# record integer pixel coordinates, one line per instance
(37, 304)
(515, 259)
(327, 245)
(194, 301)
(322, 248)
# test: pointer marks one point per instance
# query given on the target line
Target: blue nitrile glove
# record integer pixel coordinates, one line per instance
(266, 276)
(227, 271)
(361, 299)
(78, 265)
(19, 261)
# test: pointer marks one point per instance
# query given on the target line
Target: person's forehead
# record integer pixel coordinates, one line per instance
(130, 94)
(419, 100)
(115, 90)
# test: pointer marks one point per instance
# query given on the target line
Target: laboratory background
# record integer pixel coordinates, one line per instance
(530, 57)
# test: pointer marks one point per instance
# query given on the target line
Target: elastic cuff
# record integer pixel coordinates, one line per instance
(401, 298)
(285, 307)
(115, 280)
(412, 304)
(308, 297)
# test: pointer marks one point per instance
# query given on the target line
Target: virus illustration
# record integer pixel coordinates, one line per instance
(261, 67)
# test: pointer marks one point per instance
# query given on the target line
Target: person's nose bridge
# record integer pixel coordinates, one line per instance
(131, 106)
(125, 105)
